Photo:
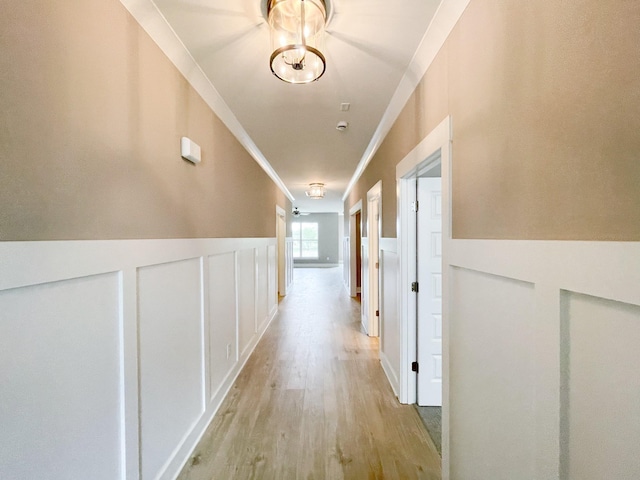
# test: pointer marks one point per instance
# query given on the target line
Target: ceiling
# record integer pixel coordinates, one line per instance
(368, 46)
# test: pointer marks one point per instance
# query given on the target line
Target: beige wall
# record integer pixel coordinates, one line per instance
(91, 115)
(545, 104)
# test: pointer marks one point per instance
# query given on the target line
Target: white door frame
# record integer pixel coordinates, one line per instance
(374, 220)
(434, 148)
(281, 235)
(353, 287)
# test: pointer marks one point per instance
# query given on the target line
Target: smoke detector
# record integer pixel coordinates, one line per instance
(342, 125)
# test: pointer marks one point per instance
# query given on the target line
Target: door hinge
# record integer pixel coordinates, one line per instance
(415, 367)
(377, 264)
(414, 287)
(414, 206)
(377, 313)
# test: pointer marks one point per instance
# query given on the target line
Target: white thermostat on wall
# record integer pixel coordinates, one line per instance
(189, 150)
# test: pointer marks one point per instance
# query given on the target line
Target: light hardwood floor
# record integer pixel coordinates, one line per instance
(313, 402)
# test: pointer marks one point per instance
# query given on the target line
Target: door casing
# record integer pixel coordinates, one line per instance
(434, 149)
(354, 252)
(281, 232)
(374, 222)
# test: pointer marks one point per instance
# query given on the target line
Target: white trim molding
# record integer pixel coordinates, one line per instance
(374, 222)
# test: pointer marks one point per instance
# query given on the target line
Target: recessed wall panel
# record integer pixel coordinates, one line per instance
(171, 358)
(60, 383)
(246, 298)
(390, 326)
(272, 299)
(263, 285)
(601, 409)
(222, 317)
(492, 377)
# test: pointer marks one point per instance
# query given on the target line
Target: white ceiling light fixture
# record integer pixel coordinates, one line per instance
(316, 191)
(297, 34)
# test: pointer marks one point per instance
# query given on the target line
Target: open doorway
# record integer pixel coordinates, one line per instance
(355, 254)
(283, 259)
(428, 248)
(424, 239)
(284, 253)
(358, 255)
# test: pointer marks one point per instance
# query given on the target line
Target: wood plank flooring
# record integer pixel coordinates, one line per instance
(313, 402)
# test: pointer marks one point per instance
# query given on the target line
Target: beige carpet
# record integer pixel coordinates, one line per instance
(432, 419)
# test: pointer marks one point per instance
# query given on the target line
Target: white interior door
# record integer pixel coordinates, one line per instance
(374, 266)
(429, 305)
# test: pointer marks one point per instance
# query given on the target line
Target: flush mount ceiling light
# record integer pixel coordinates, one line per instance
(297, 33)
(316, 191)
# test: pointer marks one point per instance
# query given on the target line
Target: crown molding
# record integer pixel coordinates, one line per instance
(446, 17)
(155, 24)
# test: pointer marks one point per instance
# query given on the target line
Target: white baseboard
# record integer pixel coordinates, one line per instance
(390, 373)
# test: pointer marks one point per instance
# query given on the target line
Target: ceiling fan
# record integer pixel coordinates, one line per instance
(298, 213)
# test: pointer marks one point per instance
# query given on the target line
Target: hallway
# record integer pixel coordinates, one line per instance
(313, 403)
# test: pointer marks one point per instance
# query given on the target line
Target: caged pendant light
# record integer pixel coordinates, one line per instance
(297, 33)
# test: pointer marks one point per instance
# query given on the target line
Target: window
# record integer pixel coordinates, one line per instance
(305, 240)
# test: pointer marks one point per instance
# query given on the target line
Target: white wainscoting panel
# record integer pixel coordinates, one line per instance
(541, 358)
(389, 311)
(600, 411)
(247, 299)
(262, 287)
(223, 318)
(171, 359)
(114, 353)
(60, 380)
(272, 288)
(492, 319)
